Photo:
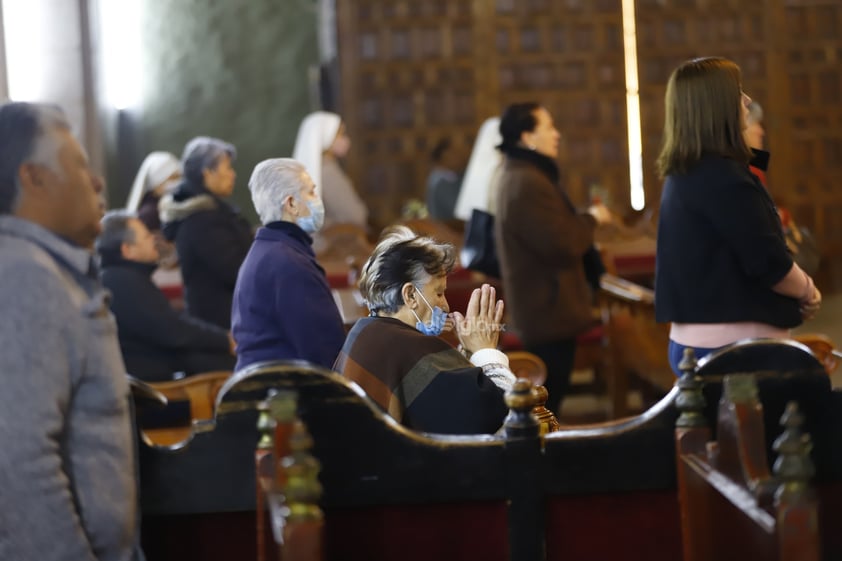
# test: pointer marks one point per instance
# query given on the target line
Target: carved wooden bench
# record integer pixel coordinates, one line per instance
(732, 507)
(390, 492)
(736, 503)
(638, 344)
(479, 496)
(190, 401)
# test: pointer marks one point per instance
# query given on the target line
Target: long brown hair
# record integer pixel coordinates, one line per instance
(702, 115)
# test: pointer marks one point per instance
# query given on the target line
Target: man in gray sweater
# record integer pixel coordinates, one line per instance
(67, 466)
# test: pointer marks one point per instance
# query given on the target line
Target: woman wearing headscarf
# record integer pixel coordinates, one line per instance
(546, 247)
(484, 163)
(159, 175)
(211, 237)
(395, 354)
(321, 142)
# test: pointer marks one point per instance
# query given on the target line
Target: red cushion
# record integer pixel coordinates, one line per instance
(474, 530)
(337, 280)
(634, 264)
(593, 335)
(173, 291)
(510, 342)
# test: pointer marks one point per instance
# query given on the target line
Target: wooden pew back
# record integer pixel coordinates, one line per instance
(191, 400)
(735, 505)
(390, 492)
(732, 507)
(481, 496)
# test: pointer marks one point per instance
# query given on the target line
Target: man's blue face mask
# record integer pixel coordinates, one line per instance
(436, 323)
(313, 223)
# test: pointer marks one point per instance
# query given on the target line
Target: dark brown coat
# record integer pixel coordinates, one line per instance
(540, 242)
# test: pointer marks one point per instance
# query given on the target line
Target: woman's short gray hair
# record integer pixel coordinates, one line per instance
(400, 257)
(201, 153)
(272, 181)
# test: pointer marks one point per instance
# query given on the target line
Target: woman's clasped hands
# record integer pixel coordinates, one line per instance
(481, 325)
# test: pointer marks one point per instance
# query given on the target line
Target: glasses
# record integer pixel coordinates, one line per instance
(745, 98)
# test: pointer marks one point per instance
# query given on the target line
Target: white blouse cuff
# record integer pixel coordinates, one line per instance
(489, 356)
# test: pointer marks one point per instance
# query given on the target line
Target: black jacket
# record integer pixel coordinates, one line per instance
(212, 240)
(157, 341)
(720, 249)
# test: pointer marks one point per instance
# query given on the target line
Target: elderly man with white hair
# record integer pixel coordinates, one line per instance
(283, 308)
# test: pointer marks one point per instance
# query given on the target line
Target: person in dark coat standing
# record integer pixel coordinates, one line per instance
(211, 237)
(283, 307)
(544, 245)
(156, 341)
(723, 271)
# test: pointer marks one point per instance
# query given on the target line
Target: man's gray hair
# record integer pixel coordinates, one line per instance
(272, 181)
(115, 231)
(400, 257)
(27, 134)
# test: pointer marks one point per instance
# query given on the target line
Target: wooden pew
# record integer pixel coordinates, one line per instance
(190, 404)
(638, 344)
(481, 496)
(732, 507)
(390, 492)
(288, 490)
(735, 503)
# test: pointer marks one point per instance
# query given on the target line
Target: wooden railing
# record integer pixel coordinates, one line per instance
(732, 506)
(391, 492)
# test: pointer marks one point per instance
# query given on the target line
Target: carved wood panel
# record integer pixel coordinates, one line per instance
(408, 80)
(414, 72)
(569, 57)
(439, 68)
(805, 122)
(672, 31)
(789, 52)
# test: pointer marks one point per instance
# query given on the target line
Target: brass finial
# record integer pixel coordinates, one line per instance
(793, 467)
(265, 423)
(548, 421)
(690, 400)
(520, 396)
(302, 490)
(282, 405)
(520, 422)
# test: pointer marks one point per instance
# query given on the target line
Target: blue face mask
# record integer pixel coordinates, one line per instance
(313, 223)
(436, 324)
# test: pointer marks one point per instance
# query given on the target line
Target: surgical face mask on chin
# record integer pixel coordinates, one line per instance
(313, 223)
(436, 323)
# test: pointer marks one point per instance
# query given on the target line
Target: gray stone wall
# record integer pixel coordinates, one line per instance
(233, 69)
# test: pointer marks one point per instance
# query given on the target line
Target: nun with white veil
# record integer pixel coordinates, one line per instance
(158, 175)
(321, 142)
(478, 186)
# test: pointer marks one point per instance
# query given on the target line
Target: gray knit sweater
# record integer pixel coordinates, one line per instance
(67, 472)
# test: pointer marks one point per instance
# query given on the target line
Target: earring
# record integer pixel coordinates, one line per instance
(531, 147)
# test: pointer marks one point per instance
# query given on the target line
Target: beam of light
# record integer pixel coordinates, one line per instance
(636, 192)
(119, 24)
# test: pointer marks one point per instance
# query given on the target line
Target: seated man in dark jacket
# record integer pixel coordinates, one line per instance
(156, 341)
